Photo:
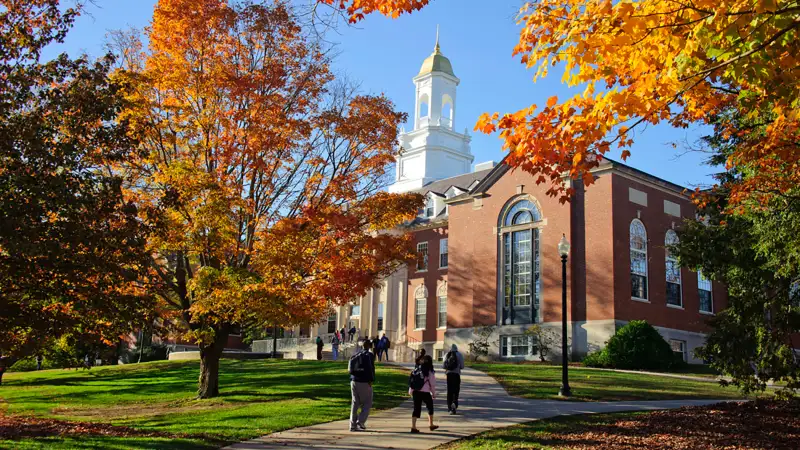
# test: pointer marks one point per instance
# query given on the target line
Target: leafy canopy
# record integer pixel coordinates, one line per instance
(71, 247)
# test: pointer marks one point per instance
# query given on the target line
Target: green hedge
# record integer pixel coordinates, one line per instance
(636, 346)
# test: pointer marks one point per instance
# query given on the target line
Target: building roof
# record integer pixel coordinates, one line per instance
(462, 182)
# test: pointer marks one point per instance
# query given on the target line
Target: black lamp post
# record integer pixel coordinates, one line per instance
(563, 249)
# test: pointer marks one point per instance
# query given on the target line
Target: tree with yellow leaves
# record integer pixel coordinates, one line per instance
(262, 174)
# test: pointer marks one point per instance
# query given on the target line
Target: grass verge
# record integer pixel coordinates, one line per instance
(257, 398)
(540, 381)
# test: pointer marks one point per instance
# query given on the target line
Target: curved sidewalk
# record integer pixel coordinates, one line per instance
(484, 405)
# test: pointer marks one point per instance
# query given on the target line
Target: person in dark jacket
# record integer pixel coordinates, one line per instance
(320, 345)
(352, 333)
(385, 344)
(362, 375)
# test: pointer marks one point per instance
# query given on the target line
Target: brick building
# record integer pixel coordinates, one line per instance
(488, 240)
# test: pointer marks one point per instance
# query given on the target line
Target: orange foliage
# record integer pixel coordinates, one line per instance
(651, 61)
(262, 175)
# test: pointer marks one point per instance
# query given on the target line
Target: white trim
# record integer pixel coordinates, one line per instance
(637, 299)
(675, 306)
(706, 313)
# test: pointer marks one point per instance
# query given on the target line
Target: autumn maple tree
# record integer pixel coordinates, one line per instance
(71, 247)
(261, 173)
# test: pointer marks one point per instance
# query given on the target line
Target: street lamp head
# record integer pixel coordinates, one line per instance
(563, 246)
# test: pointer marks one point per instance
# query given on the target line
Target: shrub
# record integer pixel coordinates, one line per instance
(636, 346)
(597, 359)
(29, 364)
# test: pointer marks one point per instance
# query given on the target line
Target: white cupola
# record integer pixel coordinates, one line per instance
(433, 150)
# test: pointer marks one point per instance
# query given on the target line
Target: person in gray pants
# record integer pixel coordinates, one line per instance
(362, 375)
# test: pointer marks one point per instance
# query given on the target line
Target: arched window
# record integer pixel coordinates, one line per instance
(638, 238)
(673, 271)
(420, 307)
(520, 256)
(424, 106)
(441, 295)
(447, 111)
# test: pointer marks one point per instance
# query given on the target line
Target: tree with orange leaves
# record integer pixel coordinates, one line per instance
(262, 175)
(647, 62)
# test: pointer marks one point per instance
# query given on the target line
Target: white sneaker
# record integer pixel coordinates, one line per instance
(360, 427)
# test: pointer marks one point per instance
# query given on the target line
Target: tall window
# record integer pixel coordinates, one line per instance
(678, 348)
(380, 316)
(704, 292)
(673, 271)
(430, 209)
(422, 256)
(355, 310)
(638, 238)
(442, 296)
(520, 256)
(420, 307)
(443, 253)
(332, 322)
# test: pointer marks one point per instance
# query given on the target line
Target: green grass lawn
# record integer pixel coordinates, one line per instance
(542, 381)
(257, 398)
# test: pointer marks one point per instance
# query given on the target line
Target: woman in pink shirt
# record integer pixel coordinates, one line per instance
(425, 394)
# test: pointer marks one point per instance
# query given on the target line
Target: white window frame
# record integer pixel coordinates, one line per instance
(430, 207)
(441, 304)
(506, 344)
(381, 312)
(443, 253)
(683, 348)
(702, 282)
(633, 250)
(671, 238)
(421, 308)
(422, 256)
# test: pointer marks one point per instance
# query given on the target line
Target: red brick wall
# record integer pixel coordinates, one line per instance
(656, 222)
(432, 279)
(474, 252)
(600, 261)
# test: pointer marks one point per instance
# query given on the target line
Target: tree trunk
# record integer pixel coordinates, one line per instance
(210, 355)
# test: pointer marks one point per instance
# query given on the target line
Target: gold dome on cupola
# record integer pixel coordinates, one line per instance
(437, 62)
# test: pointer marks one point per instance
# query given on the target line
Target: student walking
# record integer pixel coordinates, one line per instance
(422, 389)
(320, 345)
(362, 375)
(335, 341)
(385, 344)
(453, 365)
(352, 333)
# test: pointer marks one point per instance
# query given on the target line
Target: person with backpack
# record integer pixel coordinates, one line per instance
(335, 341)
(422, 389)
(320, 345)
(453, 365)
(385, 344)
(362, 375)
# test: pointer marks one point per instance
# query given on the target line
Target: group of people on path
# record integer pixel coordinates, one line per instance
(380, 346)
(421, 385)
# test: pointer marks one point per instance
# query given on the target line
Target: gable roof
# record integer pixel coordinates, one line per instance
(460, 181)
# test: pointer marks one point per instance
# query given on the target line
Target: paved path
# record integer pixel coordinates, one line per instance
(484, 405)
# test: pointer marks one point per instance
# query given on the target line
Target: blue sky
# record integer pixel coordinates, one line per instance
(383, 55)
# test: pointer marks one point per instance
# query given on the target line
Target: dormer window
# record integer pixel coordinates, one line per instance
(430, 209)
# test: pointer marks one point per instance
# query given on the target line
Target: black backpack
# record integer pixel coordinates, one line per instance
(359, 364)
(451, 361)
(417, 379)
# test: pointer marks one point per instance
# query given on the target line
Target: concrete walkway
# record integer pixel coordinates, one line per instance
(484, 405)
